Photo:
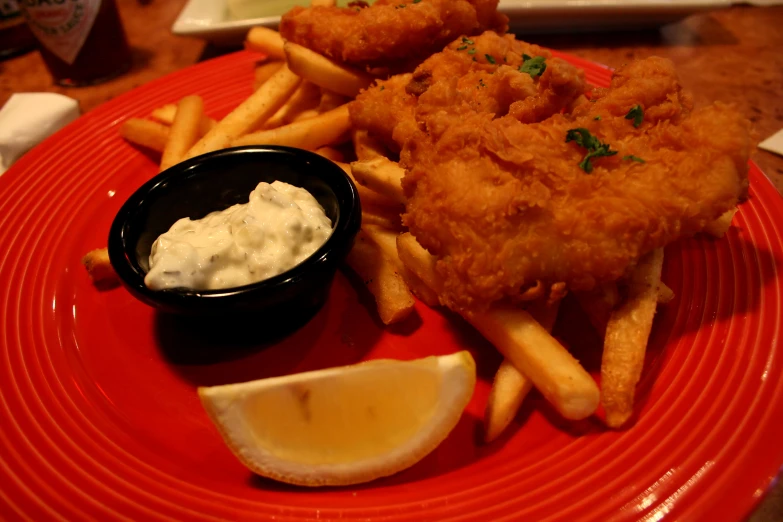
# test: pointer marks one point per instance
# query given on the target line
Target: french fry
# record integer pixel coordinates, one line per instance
(99, 267)
(324, 129)
(525, 343)
(324, 72)
(166, 115)
(392, 216)
(265, 71)
(265, 40)
(256, 109)
(510, 387)
(305, 97)
(386, 239)
(379, 220)
(367, 147)
(330, 153)
(626, 338)
(149, 134)
(207, 124)
(305, 115)
(536, 354)
(720, 226)
(367, 196)
(184, 131)
(381, 175)
(665, 294)
(425, 294)
(330, 100)
(392, 297)
(598, 305)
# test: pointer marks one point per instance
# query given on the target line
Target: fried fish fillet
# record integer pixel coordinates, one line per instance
(479, 74)
(504, 203)
(388, 32)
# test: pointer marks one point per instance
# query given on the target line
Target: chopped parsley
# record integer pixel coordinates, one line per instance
(631, 157)
(481, 83)
(467, 41)
(400, 6)
(533, 66)
(597, 118)
(595, 148)
(416, 1)
(383, 87)
(462, 47)
(636, 114)
(472, 51)
(490, 59)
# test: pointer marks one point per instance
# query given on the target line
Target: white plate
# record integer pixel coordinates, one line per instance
(210, 19)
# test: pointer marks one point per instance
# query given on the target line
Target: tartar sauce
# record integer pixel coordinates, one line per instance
(277, 229)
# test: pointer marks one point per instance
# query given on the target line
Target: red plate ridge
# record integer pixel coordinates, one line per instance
(100, 419)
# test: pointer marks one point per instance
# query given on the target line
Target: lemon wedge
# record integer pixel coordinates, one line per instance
(343, 425)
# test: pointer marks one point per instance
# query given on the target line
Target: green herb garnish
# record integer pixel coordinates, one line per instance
(597, 118)
(631, 157)
(467, 40)
(595, 148)
(490, 59)
(462, 47)
(472, 51)
(533, 66)
(636, 114)
(416, 1)
(383, 87)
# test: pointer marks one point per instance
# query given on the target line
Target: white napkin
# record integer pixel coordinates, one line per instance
(27, 119)
(774, 143)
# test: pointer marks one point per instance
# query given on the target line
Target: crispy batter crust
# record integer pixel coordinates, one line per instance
(389, 32)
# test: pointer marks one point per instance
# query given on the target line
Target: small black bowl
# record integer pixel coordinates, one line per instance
(216, 181)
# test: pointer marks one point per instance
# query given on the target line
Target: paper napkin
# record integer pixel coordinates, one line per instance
(29, 118)
(774, 143)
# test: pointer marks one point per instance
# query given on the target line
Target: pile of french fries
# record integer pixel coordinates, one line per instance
(300, 100)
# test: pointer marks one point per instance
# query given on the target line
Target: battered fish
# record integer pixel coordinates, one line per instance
(576, 197)
(389, 32)
(481, 73)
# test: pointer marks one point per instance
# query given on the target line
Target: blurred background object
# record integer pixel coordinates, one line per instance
(15, 36)
(82, 42)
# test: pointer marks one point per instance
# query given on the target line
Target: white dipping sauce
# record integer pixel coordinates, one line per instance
(277, 229)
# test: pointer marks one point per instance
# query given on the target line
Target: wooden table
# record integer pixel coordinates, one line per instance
(730, 55)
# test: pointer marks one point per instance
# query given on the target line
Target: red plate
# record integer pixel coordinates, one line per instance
(100, 418)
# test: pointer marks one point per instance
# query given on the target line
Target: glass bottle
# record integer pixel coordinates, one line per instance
(82, 42)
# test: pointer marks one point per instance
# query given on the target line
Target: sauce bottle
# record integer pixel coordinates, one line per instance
(82, 42)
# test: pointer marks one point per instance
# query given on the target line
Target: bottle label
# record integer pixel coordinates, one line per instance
(8, 10)
(61, 26)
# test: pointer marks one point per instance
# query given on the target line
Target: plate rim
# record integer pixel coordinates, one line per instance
(17, 169)
(184, 26)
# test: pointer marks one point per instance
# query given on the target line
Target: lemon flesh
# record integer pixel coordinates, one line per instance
(343, 425)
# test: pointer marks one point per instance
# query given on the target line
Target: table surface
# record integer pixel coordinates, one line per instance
(731, 55)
